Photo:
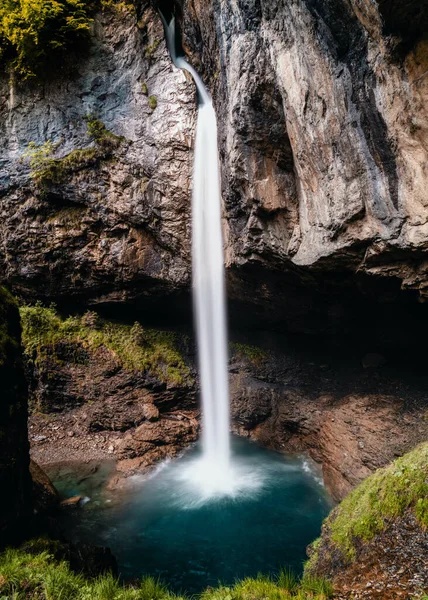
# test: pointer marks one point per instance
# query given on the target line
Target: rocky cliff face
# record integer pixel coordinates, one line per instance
(323, 133)
(101, 391)
(15, 500)
(323, 146)
(102, 225)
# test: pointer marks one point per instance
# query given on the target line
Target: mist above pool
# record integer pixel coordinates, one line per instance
(169, 526)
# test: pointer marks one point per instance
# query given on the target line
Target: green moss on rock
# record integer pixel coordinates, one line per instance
(104, 138)
(253, 354)
(151, 48)
(47, 170)
(376, 502)
(136, 348)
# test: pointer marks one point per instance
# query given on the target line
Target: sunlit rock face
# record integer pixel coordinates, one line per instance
(118, 227)
(323, 119)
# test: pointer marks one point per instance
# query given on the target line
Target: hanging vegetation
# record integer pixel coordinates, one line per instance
(35, 34)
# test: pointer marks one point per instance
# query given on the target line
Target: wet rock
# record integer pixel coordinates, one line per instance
(149, 439)
(45, 496)
(73, 502)
(350, 419)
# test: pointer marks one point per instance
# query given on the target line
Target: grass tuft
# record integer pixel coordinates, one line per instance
(46, 169)
(287, 580)
(383, 496)
(253, 354)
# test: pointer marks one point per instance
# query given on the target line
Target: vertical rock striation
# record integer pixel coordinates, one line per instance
(323, 132)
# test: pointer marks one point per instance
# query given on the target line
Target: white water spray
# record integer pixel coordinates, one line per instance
(213, 472)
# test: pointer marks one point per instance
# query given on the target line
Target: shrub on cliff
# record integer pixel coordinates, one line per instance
(47, 170)
(34, 33)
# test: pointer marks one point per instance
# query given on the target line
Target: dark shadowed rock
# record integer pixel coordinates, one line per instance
(45, 496)
(15, 482)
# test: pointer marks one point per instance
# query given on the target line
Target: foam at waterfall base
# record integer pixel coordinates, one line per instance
(194, 481)
(207, 481)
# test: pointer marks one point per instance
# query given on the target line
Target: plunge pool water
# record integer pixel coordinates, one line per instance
(168, 527)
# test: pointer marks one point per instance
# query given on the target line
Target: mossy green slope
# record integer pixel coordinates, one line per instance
(40, 575)
(376, 502)
(136, 348)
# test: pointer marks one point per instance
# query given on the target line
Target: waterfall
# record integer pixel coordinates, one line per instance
(208, 285)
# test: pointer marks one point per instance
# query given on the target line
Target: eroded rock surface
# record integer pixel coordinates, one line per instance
(88, 406)
(114, 227)
(393, 566)
(323, 147)
(323, 141)
(350, 418)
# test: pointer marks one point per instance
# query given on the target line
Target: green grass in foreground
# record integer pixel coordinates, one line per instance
(135, 347)
(40, 576)
(378, 500)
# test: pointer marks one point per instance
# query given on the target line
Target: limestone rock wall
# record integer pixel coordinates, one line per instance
(323, 146)
(323, 132)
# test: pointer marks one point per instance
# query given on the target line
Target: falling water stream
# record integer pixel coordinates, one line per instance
(214, 469)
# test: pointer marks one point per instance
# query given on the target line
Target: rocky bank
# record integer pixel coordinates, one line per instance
(352, 413)
(373, 545)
